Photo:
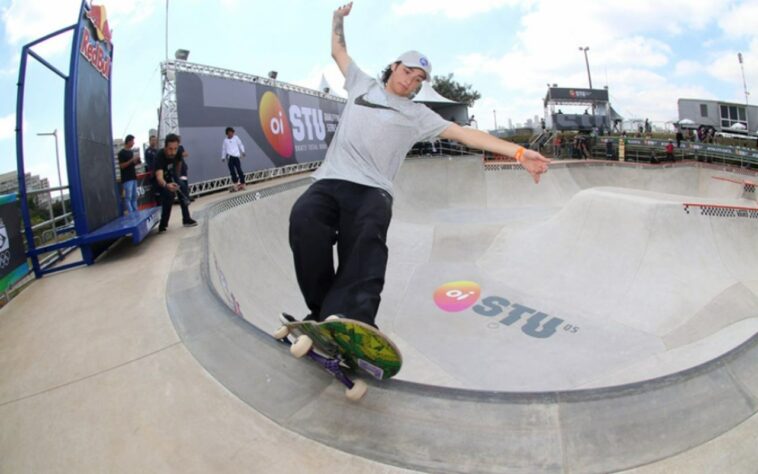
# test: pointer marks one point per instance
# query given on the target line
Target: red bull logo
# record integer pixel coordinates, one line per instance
(99, 19)
(96, 48)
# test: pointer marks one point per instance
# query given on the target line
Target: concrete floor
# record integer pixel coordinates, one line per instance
(94, 377)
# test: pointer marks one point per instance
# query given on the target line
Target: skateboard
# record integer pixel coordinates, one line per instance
(338, 344)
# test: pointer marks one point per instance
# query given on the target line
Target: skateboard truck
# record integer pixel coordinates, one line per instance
(303, 346)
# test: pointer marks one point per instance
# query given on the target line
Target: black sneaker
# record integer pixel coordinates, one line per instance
(285, 318)
(161, 230)
(190, 223)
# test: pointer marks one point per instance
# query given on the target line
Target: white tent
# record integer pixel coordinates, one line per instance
(448, 109)
(428, 95)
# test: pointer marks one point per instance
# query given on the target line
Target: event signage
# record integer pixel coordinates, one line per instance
(278, 125)
(578, 95)
(89, 134)
(96, 41)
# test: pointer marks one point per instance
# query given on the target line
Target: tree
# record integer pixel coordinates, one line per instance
(448, 87)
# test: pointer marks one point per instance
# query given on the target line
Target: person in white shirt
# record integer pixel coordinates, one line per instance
(231, 151)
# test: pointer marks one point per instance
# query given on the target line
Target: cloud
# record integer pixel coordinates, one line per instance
(7, 127)
(630, 50)
(739, 20)
(26, 21)
(688, 67)
(455, 9)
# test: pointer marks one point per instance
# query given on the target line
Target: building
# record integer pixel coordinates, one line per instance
(9, 185)
(723, 116)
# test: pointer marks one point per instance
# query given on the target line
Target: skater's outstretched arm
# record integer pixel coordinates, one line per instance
(339, 48)
(531, 160)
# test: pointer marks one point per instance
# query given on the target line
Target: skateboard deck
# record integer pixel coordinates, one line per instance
(344, 342)
(358, 345)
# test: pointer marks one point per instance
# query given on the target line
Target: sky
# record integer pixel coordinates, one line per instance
(648, 53)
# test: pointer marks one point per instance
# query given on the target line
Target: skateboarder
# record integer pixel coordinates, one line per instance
(350, 203)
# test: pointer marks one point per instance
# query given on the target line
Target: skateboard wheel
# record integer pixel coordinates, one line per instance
(282, 332)
(333, 317)
(301, 346)
(357, 392)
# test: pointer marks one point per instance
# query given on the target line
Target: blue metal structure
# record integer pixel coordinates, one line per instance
(90, 236)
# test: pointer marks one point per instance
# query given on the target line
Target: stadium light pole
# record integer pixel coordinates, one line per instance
(587, 62)
(589, 76)
(744, 85)
(54, 134)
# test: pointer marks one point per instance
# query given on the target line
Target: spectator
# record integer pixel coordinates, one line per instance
(232, 150)
(150, 152)
(128, 164)
(679, 138)
(168, 162)
(670, 151)
(557, 145)
(584, 147)
(472, 122)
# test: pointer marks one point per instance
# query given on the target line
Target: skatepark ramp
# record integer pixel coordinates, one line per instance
(601, 320)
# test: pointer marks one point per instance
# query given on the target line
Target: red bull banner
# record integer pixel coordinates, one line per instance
(278, 127)
(89, 138)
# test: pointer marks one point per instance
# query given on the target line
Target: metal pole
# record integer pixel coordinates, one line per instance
(589, 76)
(166, 31)
(587, 62)
(744, 85)
(494, 113)
(54, 134)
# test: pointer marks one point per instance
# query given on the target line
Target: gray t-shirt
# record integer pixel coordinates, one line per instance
(375, 132)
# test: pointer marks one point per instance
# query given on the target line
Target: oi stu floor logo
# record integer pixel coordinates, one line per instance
(458, 296)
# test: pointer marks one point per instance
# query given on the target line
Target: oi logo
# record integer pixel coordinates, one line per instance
(275, 124)
(457, 295)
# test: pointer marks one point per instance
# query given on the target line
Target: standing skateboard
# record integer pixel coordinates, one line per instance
(339, 342)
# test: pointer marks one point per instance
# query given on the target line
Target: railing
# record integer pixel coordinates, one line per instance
(650, 150)
(224, 183)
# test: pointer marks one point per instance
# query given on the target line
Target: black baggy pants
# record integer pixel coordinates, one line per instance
(167, 201)
(235, 169)
(356, 219)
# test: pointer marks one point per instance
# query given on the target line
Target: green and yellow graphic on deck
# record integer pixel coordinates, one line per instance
(359, 345)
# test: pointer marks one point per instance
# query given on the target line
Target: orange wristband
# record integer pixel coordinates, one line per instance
(519, 154)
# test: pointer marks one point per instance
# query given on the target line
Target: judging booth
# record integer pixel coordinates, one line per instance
(94, 192)
(597, 100)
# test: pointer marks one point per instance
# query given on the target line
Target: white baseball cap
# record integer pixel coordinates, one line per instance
(417, 60)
